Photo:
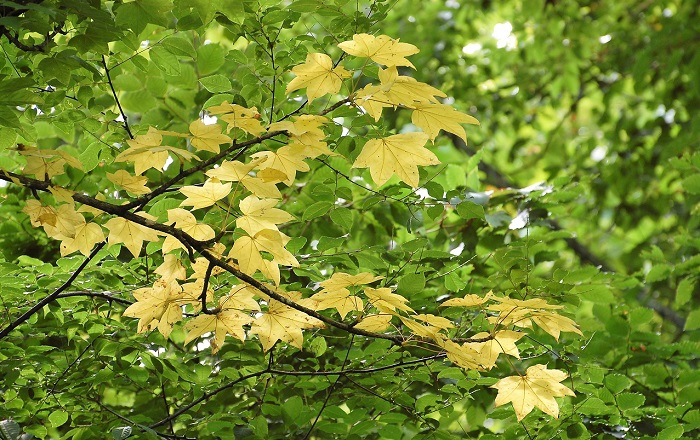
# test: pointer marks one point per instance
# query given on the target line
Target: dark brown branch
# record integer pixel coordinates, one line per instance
(40, 305)
(114, 93)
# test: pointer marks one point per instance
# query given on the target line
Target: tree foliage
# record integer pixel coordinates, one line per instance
(262, 219)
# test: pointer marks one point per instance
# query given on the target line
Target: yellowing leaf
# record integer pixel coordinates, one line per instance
(85, 238)
(246, 119)
(133, 184)
(43, 168)
(318, 76)
(431, 118)
(340, 280)
(385, 301)
(436, 321)
(467, 355)
(259, 214)
(374, 323)
(207, 195)
(62, 222)
(207, 137)
(537, 388)
(247, 251)
(340, 299)
(283, 323)
(171, 269)
(469, 300)
(187, 222)
(373, 100)
(286, 160)
(158, 306)
(382, 49)
(235, 171)
(404, 90)
(142, 152)
(502, 342)
(226, 321)
(553, 323)
(422, 330)
(131, 234)
(400, 154)
(62, 194)
(240, 298)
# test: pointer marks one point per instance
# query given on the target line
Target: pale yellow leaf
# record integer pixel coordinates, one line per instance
(132, 235)
(537, 388)
(207, 137)
(381, 49)
(318, 76)
(284, 323)
(171, 269)
(87, 235)
(469, 300)
(374, 323)
(259, 214)
(133, 184)
(431, 118)
(286, 160)
(400, 155)
(340, 280)
(339, 299)
(206, 195)
(404, 90)
(385, 301)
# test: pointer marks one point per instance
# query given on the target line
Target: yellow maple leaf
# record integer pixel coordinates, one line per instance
(503, 342)
(62, 194)
(554, 323)
(86, 236)
(375, 323)
(318, 76)
(537, 388)
(226, 321)
(206, 195)
(171, 269)
(247, 251)
(340, 280)
(207, 137)
(286, 161)
(187, 222)
(339, 299)
(400, 154)
(42, 167)
(385, 301)
(62, 222)
(422, 330)
(142, 152)
(283, 323)
(467, 355)
(246, 119)
(381, 49)
(469, 300)
(259, 214)
(404, 90)
(435, 321)
(373, 100)
(133, 184)
(131, 234)
(240, 297)
(158, 306)
(431, 118)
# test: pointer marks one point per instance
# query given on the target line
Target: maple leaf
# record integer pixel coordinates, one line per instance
(286, 160)
(171, 269)
(422, 330)
(399, 154)
(537, 388)
(522, 313)
(259, 214)
(226, 321)
(431, 118)
(207, 137)
(553, 323)
(131, 234)
(340, 299)
(158, 306)
(133, 184)
(283, 323)
(247, 251)
(240, 297)
(339, 280)
(246, 119)
(373, 100)
(62, 194)
(374, 323)
(86, 236)
(61, 223)
(318, 76)
(404, 90)
(469, 300)
(235, 171)
(503, 342)
(206, 195)
(467, 355)
(385, 301)
(142, 152)
(381, 49)
(186, 221)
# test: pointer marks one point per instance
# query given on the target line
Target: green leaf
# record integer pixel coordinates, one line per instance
(692, 184)
(468, 210)
(684, 292)
(670, 433)
(692, 322)
(165, 61)
(259, 426)
(216, 83)
(316, 210)
(58, 418)
(10, 429)
(629, 400)
(411, 284)
(121, 433)
(209, 58)
(179, 46)
(342, 217)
